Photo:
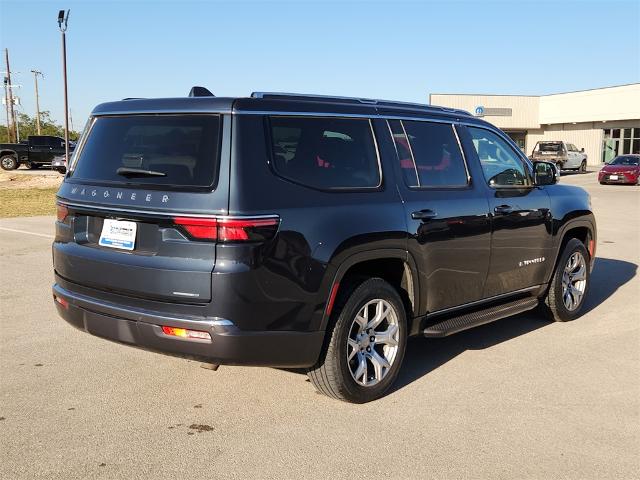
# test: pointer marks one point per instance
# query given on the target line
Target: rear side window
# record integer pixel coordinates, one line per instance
(161, 150)
(429, 154)
(325, 153)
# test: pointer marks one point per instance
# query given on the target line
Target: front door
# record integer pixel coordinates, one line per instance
(521, 241)
(447, 214)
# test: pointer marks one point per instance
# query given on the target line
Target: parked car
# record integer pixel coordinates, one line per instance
(622, 169)
(36, 151)
(309, 232)
(565, 155)
(59, 164)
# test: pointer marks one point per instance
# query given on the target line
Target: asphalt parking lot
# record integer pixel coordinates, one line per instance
(520, 398)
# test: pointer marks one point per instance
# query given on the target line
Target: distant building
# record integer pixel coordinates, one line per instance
(603, 121)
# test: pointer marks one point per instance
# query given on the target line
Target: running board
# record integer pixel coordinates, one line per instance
(480, 317)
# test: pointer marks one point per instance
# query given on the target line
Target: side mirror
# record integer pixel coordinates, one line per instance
(582, 149)
(545, 173)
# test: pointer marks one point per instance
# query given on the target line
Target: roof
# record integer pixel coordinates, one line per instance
(272, 103)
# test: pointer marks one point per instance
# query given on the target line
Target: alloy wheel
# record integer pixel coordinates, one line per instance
(372, 344)
(574, 281)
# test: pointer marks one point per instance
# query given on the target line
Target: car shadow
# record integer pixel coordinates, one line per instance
(607, 276)
(424, 355)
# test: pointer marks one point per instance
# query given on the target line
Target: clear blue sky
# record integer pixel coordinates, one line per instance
(402, 50)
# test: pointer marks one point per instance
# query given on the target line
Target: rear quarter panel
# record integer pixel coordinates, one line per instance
(291, 278)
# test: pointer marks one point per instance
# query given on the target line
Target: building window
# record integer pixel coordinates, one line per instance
(620, 141)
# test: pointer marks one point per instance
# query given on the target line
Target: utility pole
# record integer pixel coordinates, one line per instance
(11, 131)
(62, 25)
(35, 77)
(6, 104)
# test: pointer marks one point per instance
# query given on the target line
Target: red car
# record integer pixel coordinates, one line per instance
(622, 169)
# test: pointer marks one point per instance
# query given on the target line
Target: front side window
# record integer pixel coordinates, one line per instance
(501, 166)
(325, 153)
(159, 150)
(429, 154)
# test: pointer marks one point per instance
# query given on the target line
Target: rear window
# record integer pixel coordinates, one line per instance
(549, 147)
(325, 153)
(154, 150)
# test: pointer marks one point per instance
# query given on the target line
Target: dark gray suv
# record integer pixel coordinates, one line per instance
(310, 232)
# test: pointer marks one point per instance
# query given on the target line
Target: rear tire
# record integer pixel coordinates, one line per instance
(570, 283)
(352, 367)
(8, 162)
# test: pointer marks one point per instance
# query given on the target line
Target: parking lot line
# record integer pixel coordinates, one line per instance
(26, 233)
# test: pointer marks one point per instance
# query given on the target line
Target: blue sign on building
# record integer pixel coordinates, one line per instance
(479, 111)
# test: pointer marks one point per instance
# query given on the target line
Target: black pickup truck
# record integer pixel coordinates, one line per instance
(36, 151)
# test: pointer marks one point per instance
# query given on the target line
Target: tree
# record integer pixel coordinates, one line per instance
(27, 125)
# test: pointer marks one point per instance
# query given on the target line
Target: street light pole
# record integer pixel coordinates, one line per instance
(62, 25)
(35, 77)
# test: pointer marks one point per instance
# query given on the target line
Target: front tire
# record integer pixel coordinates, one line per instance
(366, 341)
(569, 284)
(8, 162)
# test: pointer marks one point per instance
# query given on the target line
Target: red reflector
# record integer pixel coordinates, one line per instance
(61, 212)
(61, 301)
(185, 333)
(332, 297)
(591, 245)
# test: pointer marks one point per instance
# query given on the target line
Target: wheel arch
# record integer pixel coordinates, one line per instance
(395, 266)
(9, 152)
(584, 231)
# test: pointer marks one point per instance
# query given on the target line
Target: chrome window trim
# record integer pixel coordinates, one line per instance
(464, 157)
(413, 158)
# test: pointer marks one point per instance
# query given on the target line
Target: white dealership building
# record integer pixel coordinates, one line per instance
(603, 121)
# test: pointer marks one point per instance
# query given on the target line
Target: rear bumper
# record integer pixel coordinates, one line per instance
(622, 178)
(228, 345)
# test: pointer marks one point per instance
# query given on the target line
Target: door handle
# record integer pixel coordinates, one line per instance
(503, 209)
(424, 215)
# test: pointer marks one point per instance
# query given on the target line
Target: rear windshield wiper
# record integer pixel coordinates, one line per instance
(139, 172)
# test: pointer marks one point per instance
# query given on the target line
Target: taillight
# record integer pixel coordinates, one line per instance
(61, 212)
(199, 228)
(185, 333)
(230, 229)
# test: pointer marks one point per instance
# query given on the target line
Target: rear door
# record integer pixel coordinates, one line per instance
(137, 211)
(521, 243)
(447, 213)
(39, 149)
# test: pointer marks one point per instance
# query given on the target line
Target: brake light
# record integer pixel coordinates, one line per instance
(230, 229)
(185, 333)
(61, 212)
